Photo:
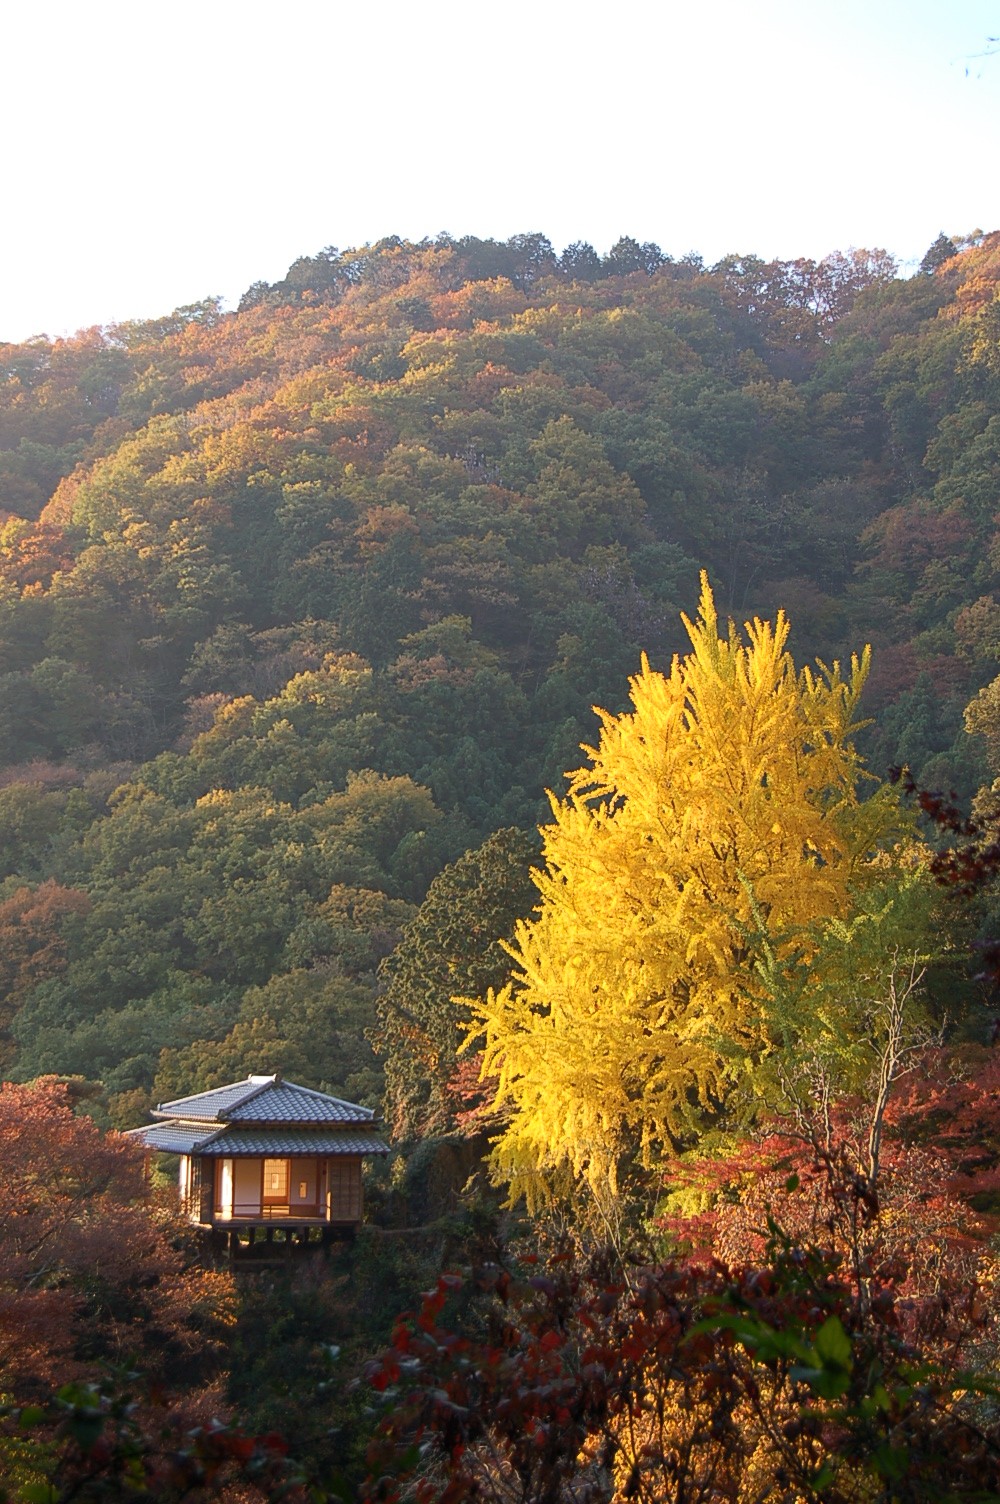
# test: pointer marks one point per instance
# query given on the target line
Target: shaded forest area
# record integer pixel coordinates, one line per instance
(300, 603)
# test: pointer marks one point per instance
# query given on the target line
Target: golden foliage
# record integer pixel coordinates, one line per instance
(724, 806)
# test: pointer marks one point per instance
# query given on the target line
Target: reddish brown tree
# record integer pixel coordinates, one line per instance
(32, 552)
(91, 1270)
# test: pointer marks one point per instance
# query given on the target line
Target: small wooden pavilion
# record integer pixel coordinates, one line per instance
(266, 1153)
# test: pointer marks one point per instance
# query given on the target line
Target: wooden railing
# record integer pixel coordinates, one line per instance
(253, 1211)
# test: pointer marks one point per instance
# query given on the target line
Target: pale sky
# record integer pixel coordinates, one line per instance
(161, 153)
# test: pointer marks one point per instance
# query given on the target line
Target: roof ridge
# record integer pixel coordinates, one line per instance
(254, 1090)
(251, 1096)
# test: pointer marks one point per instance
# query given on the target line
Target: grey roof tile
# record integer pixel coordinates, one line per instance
(264, 1099)
(274, 1142)
(173, 1138)
(213, 1106)
(284, 1102)
(269, 1142)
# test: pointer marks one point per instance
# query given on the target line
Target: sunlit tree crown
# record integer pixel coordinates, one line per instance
(724, 804)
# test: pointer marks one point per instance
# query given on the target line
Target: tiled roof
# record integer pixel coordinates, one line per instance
(213, 1106)
(264, 1099)
(275, 1142)
(269, 1143)
(173, 1138)
(284, 1102)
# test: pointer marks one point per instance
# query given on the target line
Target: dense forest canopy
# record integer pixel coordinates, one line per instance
(305, 610)
(301, 602)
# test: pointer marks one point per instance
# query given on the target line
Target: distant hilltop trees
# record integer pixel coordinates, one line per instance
(828, 285)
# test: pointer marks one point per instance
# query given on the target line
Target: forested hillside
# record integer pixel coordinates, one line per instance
(300, 603)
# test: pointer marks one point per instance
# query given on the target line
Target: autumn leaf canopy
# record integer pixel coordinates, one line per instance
(723, 807)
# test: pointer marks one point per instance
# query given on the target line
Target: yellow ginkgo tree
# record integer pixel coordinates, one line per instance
(724, 807)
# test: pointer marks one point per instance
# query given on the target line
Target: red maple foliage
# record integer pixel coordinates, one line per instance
(827, 1329)
(91, 1270)
(694, 1381)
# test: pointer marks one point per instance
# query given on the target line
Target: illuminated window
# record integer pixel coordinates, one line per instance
(276, 1179)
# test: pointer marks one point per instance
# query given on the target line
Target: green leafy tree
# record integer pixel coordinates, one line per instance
(451, 947)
